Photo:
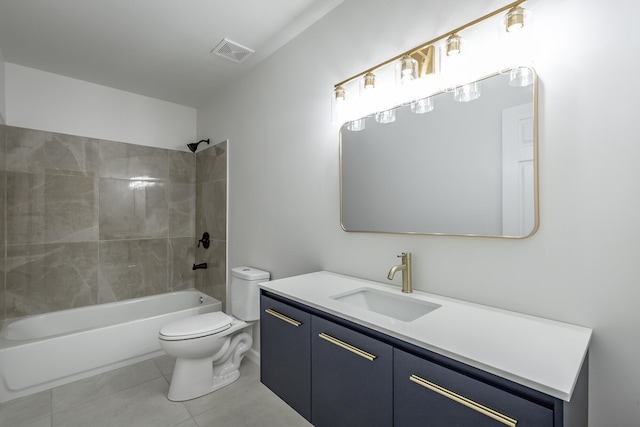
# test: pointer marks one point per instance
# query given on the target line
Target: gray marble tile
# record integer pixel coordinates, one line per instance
(266, 410)
(133, 209)
(98, 386)
(244, 403)
(182, 210)
(181, 260)
(211, 209)
(249, 377)
(32, 410)
(49, 277)
(51, 208)
(70, 209)
(2, 281)
(130, 161)
(212, 281)
(25, 208)
(140, 406)
(133, 268)
(189, 423)
(211, 163)
(182, 167)
(3, 209)
(165, 363)
(41, 422)
(3, 146)
(30, 150)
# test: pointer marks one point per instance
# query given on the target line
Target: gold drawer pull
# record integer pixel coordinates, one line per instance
(464, 401)
(283, 317)
(370, 357)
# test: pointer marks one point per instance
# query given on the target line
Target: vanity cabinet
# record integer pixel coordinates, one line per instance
(351, 377)
(336, 372)
(285, 353)
(426, 392)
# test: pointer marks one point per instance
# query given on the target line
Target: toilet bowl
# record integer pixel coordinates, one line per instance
(209, 347)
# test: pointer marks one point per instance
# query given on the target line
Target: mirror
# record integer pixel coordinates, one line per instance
(464, 168)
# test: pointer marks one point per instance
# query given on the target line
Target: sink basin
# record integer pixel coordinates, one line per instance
(395, 306)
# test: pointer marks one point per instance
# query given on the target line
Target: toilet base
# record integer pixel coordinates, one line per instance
(193, 378)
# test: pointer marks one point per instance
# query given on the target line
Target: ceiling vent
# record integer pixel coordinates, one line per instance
(231, 50)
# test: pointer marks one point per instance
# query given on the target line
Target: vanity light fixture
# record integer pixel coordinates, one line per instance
(369, 81)
(514, 20)
(406, 70)
(338, 100)
(421, 61)
(426, 59)
(453, 45)
(339, 94)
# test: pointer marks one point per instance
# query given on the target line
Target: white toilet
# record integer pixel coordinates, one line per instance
(209, 347)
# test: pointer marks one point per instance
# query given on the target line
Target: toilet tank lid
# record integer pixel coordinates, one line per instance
(249, 273)
(197, 325)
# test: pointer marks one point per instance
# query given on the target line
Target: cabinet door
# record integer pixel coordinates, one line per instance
(285, 353)
(430, 394)
(352, 378)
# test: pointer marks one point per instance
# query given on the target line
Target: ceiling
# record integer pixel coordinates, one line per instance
(156, 48)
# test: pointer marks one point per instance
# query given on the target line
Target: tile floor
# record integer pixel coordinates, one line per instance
(135, 396)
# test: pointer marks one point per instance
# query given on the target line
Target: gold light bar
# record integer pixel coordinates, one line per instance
(419, 52)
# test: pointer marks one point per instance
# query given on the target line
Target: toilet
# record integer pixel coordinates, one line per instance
(209, 347)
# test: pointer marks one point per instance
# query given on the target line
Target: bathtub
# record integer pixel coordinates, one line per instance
(44, 351)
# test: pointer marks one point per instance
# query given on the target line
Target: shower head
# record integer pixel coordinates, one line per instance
(194, 145)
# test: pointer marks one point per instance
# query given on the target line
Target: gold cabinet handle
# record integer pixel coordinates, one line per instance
(283, 317)
(464, 401)
(370, 357)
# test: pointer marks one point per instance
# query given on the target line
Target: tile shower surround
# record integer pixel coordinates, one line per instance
(88, 221)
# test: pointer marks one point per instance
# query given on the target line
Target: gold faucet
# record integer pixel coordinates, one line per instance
(405, 267)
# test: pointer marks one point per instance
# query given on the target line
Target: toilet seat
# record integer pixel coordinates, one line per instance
(198, 326)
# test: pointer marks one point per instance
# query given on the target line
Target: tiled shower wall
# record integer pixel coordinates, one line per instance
(89, 221)
(211, 217)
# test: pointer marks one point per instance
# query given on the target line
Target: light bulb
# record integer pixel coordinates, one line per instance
(514, 19)
(406, 70)
(338, 104)
(453, 45)
(369, 81)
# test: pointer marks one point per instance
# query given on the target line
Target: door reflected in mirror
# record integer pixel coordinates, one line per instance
(447, 167)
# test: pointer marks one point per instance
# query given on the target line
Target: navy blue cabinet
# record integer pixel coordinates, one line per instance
(285, 352)
(338, 373)
(426, 393)
(352, 377)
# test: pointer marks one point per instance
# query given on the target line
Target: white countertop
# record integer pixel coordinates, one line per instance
(542, 354)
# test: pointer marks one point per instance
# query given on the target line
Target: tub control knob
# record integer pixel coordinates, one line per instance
(205, 240)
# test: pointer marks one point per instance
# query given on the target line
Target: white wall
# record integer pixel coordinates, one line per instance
(3, 105)
(40, 100)
(581, 266)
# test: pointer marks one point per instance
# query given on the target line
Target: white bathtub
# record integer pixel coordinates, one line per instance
(44, 351)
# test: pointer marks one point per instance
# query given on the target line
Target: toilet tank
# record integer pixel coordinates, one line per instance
(245, 294)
